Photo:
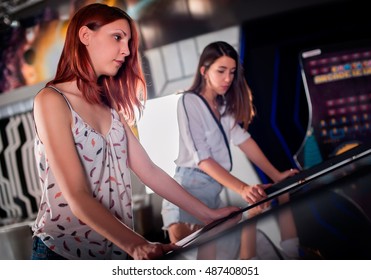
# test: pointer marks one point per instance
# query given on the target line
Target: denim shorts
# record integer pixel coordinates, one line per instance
(41, 252)
(200, 185)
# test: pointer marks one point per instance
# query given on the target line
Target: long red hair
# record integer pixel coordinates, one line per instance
(127, 88)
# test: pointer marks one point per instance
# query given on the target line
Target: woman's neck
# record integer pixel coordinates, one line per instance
(69, 87)
(210, 98)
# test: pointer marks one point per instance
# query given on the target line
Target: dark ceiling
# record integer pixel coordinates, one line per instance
(165, 21)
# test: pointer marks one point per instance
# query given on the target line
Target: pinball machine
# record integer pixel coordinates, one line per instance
(327, 207)
(323, 212)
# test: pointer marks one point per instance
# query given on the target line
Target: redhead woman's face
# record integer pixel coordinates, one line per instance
(220, 75)
(108, 47)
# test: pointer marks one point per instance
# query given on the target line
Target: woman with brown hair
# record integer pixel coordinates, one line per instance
(214, 112)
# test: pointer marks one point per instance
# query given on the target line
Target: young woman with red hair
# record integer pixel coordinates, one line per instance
(85, 148)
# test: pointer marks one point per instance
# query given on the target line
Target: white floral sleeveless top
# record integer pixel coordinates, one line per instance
(105, 161)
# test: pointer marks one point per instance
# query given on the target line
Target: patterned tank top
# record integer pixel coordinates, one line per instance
(104, 158)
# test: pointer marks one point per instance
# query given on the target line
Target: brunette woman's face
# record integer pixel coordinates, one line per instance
(220, 75)
(109, 46)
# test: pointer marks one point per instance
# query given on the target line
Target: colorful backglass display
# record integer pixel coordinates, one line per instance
(337, 81)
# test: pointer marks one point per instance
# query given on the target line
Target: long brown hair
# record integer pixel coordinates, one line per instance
(127, 88)
(238, 99)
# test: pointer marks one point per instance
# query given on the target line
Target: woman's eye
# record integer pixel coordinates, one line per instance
(117, 37)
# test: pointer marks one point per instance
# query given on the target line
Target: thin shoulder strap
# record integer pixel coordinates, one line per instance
(65, 98)
(61, 93)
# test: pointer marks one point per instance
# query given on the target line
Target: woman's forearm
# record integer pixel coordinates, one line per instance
(103, 222)
(256, 156)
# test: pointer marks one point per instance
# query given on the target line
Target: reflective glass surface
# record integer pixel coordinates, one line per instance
(321, 213)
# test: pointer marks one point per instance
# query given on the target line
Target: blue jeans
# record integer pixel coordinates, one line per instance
(198, 184)
(41, 252)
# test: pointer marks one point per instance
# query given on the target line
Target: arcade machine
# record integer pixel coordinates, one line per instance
(337, 82)
(326, 207)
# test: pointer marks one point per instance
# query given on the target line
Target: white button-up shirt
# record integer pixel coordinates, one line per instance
(200, 134)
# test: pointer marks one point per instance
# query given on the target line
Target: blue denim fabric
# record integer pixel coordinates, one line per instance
(41, 252)
(200, 185)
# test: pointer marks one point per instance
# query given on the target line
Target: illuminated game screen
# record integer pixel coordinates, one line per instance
(337, 81)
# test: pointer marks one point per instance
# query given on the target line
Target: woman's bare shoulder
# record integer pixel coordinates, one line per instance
(47, 93)
(49, 98)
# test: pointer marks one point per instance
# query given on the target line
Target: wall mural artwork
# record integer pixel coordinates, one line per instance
(18, 62)
(19, 185)
(30, 51)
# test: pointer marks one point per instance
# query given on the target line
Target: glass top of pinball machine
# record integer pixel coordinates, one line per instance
(321, 213)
